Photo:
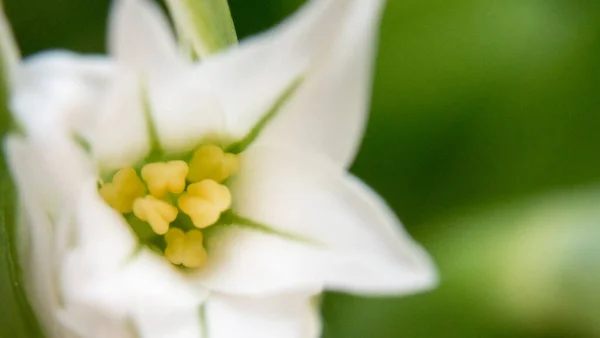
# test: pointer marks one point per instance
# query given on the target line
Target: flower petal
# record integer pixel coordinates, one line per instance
(355, 241)
(146, 295)
(61, 96)
(329, 111)
(330, 45)
(60, 89)
(185, 111)
(36, 231)
(140, 37)
(104, 275)
(283, 316)
(103, 235)
(120, 137)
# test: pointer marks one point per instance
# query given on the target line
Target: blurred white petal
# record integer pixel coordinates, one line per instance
(147, 291)
(284, 316)
(56, 100)
(185, 111)
(38, 256)
(140, 37)
(120, 137)
(60, 90)
(105, 273)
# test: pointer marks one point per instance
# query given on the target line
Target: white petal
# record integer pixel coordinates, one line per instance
(57, 97)
(281, 316)
(329, 111)
(61, 90)
(361, 246)
(140, 37)
(37, 255)
(88, 322)
(185, 111)
(330, 44)
(147, 291)
(105, 276)
(104, 234)
(120, 137)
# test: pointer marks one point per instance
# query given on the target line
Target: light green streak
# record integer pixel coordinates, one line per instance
(231, 219)
(155, 146)
(205, 26)
(203, 322)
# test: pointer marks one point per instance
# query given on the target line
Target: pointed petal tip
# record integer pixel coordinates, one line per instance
(140, 36)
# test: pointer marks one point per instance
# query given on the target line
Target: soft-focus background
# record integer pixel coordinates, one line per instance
(484, 137)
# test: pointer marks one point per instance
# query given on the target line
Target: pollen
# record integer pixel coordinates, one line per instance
(185, 248)
(158, 213)
(204, 202)
(211, 162)
(165, 177)
(125, 188)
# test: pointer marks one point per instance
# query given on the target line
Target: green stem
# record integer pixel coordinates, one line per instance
(204, 26)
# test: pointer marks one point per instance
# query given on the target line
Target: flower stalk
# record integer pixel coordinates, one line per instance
(204, 26)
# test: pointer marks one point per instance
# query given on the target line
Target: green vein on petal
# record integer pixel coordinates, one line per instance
(155, 146)
(241, 145)
(231, 219)
(203, 322)
(132, 328)
(82, 142)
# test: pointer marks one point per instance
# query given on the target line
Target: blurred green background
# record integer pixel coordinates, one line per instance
(483, 137)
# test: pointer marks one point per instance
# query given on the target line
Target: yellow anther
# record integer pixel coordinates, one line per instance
(185, 248)
(159, 214)
(210, 162)
(125, 188)
(204, 202)
(163, 178)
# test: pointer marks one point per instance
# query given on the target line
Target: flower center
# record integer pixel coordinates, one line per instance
(169, 203)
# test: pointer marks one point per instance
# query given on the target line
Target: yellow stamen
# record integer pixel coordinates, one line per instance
(185, 248)
(204, 202)
(125, 188)
(163, 178)
(159, 214)
(210, 162)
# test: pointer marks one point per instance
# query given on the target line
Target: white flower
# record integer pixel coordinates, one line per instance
(264, 133)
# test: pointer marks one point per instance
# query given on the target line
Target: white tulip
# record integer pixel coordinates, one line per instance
(164, 197)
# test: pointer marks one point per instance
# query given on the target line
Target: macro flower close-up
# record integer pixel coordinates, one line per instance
(185, 185)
